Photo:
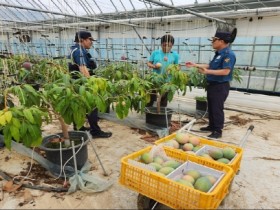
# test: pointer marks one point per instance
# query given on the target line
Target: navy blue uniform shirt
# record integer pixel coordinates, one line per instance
(223, 59)
(81, 56)
(78, 55)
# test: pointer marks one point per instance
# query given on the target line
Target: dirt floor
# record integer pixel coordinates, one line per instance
(256, 186)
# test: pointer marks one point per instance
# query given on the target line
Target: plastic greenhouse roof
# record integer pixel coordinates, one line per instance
(26, 11)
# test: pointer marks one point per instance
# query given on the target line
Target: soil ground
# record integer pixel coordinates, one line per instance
(256, 186)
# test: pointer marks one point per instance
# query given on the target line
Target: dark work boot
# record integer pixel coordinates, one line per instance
(83, 128)
(215, 135)
(100, 134)
(208, 128)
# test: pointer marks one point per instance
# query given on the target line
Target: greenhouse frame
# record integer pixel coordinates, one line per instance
(133, 28)
(139, 104)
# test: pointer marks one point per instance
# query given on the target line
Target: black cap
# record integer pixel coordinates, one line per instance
(83, 35)
(227, 34)
(167, 38)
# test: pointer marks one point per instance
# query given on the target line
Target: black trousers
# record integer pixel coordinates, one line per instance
(153, 98)
(216, 97)
(92, 120)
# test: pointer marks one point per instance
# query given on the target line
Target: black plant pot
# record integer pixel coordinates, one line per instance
(53, 154)
(158, 119)
(201, 108)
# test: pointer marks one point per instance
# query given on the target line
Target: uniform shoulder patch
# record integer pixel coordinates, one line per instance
(227, 60)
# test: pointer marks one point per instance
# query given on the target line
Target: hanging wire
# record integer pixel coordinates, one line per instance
(123, 5)
(89, 6)
(70, 7)
(12, 12)
(97, 6)
(114, 6)
(84, 7)
(35, 18)
(57, 6)
(132, 4)
(48, 15)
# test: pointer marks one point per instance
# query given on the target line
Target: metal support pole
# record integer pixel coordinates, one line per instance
(63, 14)
(251, 63)
(141, 39)
(186, 10)
(59, 45)
(267, 61)
(107, 44)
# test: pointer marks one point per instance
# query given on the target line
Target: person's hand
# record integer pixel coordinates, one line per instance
(202, 70)
(154, 66)
(157, 66)
(190, 64)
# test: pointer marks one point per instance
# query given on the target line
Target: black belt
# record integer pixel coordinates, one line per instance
(216, 83)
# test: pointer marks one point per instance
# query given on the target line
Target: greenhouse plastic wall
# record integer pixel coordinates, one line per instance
(254, 48)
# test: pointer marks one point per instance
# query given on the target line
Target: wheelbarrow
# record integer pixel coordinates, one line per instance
(145, 202)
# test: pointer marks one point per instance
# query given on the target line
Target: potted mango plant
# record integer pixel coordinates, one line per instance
(64, 100)
(60, 98)
(67, 101)
(173, 80)
(128, 90)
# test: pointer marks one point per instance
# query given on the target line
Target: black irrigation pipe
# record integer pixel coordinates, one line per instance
(35, 187)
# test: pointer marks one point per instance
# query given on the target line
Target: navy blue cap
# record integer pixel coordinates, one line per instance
(83, 35)
(226, 35)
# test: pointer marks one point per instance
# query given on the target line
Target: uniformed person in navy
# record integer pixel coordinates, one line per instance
(218, 74)
(82, 61)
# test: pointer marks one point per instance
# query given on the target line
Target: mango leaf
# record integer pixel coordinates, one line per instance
(89, 97)
(82, 90)
(170, 96)
(7, 137)
(63, 108)
(8, 116)
(56, 90)
(68, 93)
(34, 131)
(23, 128)
(19, 93)
(75, 106)
(29, 89)
(60, 105)
(68, 115)
(37, 142)
(100, 103)
(2, 120)
(28, 115)
(79, 118)
(15, 132)
(119, 111)
(27, 139)
(126, 107)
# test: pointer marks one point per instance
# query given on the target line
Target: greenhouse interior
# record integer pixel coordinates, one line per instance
(139, 104)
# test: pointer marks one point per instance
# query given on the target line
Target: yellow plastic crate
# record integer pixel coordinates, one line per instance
(171, 193)
(234, 164)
